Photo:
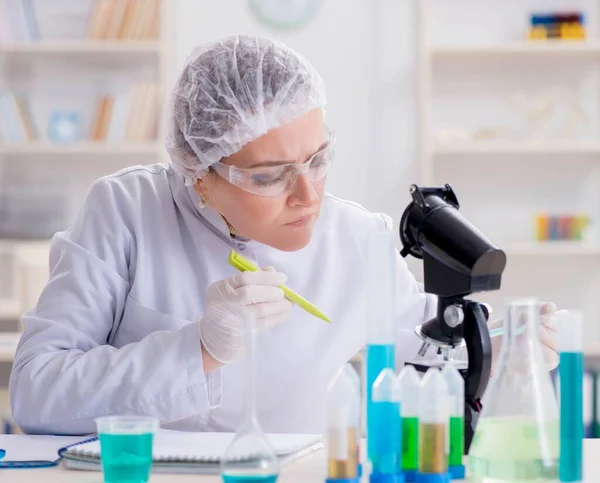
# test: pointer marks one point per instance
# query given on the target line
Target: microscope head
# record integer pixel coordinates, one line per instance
(457, 258)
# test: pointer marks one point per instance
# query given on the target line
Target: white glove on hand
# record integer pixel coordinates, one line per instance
(222, 327)
(548, 336)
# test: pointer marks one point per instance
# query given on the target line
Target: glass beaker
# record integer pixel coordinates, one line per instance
(126, 447)
(250, 457)
(517, 434)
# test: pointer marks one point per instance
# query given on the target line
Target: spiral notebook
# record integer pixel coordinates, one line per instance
(183, 452)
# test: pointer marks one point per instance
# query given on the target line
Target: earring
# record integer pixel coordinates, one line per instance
(202, 203)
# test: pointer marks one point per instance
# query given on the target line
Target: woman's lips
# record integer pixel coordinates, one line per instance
(300, 221)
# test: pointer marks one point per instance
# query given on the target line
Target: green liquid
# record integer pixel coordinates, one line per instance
(250, 479)
(410, 443)
(457, 441)
(512, 449)
(126, 458)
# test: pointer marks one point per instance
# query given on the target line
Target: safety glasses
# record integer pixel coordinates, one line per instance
(276, 180)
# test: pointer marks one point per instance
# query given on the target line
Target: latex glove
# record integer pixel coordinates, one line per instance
(548, 336)
(257, 293)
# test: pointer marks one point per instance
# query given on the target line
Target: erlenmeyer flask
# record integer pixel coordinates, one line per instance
(517, 434)
(250, 457)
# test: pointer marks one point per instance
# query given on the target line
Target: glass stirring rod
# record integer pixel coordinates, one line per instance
(500, 330)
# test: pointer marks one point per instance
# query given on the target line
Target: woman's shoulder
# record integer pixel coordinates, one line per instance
(354, 214)
(139, 176)
(122, 195)
(134, 186)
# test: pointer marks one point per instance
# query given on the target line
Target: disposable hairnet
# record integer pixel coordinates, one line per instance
(231, 92)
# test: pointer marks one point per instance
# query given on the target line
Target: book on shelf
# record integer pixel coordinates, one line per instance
(124, 20)
(128, 117)
(18, 22)
(16, 123)
(23, 21)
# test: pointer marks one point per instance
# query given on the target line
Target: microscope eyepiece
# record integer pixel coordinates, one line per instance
(458, 258)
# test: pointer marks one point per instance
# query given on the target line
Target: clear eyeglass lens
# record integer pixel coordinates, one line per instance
(274, 181)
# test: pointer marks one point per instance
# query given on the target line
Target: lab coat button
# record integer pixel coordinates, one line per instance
(241, 246)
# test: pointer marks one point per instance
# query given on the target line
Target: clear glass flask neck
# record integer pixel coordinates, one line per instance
(521, 347)
(250, 456)
(249, 416)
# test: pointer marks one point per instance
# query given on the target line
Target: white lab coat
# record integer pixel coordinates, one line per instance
(115, 329)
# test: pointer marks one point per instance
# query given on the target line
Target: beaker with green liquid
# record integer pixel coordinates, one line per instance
(517, 436)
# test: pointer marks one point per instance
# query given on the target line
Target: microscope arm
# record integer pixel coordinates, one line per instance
(479, 349)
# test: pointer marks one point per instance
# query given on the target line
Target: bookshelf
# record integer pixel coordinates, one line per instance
(523, 48)
(99, 41)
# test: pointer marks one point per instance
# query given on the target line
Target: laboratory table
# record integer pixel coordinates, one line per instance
(306, 470)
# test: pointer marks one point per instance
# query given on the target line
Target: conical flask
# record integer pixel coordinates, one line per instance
(250, 457)
(517, 436)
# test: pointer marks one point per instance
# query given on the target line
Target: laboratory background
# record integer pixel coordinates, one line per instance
(489, 96)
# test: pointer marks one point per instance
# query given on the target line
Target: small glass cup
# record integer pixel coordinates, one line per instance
(126, 447)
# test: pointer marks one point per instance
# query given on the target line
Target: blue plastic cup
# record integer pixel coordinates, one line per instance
(126, 447)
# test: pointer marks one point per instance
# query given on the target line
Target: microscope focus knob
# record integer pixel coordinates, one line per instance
(453, 315)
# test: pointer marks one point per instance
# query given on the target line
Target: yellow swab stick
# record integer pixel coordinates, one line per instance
(244, 265)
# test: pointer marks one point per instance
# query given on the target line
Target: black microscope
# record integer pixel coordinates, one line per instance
(458, 260)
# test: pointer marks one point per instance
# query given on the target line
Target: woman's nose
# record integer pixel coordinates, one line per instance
(303, 192)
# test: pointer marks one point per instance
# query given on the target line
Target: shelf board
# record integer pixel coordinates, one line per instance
(9, 310)
(84, 47)
(584, 146)
(523, 48)
(8, 345)
(31, 249)
(552, 248)
(81, 148)
(592, 350)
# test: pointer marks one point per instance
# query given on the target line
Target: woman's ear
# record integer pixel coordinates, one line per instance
(203, 187)
(199, 188)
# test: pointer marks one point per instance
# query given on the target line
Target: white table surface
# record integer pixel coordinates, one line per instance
(310, 469)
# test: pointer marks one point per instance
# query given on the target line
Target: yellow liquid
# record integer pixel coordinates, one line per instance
(433, 457)
(348, 468)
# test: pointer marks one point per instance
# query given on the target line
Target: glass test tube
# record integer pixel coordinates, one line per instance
(387, 443)
(570, 347)
(381, 293)
(433, 425)
(456, 424)
(343, 407)
(406, 388)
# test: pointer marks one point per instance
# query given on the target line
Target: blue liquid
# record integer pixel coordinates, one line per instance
(250, 479)
(379, 357)
(571, 416)
(126, 458)
(387, 442)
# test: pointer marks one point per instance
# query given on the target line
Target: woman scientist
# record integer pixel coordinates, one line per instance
(142, 312)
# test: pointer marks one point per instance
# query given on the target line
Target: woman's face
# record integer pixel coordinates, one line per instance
(286, 221)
